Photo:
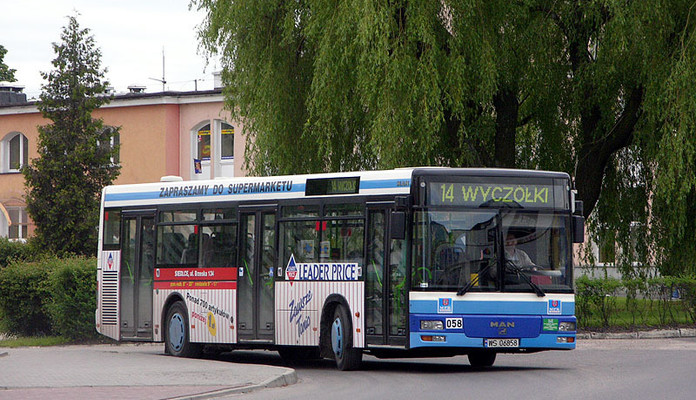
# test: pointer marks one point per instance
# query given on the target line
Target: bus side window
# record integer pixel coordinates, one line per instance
(174, 245)
(112, 227)
(190, 253)
(218, 248)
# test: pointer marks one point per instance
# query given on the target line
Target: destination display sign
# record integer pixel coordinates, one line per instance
(491, 194)
(332, 186)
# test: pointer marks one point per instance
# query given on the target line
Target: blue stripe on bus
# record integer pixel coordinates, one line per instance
(491, 307)
(296, 188)
(544, 341)
(491, 326)
(385, 184)
(471, 330)
(131, 196)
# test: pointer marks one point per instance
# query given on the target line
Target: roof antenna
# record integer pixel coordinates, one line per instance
(163, 80)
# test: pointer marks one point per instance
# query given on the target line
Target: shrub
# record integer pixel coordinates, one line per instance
(687, 291)
(596, 297)
(72, 286)
(14, 251)
(23, 292)
(647, 302)
(635, 289)
(50, 296)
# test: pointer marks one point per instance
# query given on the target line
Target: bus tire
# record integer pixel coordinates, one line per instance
(176, 334)
(481, 359)
(347, 357)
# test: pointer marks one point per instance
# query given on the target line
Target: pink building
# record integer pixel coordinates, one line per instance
(188, 134)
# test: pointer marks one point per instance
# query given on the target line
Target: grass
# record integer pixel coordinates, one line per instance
(620, 313)
(39, 341)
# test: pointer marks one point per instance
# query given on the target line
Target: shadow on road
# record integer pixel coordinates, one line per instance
(416, 365)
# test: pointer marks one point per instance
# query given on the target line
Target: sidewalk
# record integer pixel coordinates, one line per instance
(652, 334)
(126, 371)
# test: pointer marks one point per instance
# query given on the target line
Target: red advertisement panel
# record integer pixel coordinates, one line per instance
(195, 274)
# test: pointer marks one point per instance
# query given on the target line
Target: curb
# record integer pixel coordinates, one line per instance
(653, 334)
(289, 377)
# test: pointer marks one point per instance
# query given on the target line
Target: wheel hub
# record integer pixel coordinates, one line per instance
(176, 332)
(337, 338)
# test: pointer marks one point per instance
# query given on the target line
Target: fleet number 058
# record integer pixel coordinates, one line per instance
(454, 323)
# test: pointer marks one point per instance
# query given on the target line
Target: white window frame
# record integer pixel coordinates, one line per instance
(112, 143)
(215, 165)
(193, 153)
(22, 223)
(6, 151)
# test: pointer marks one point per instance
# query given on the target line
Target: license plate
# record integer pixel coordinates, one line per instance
(497, 343)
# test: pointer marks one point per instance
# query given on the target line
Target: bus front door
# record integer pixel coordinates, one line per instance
(255, 282)
(385, 283)
(137, 266)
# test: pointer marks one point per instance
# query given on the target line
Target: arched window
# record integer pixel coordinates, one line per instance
(212, 149)
(19, 219)
(15, 152)
(13, 222)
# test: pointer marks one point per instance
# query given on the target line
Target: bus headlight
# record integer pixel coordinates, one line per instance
(432, 325)
(566, 326)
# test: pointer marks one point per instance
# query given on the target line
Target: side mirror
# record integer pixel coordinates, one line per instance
(578, 208)
(398, 225)
(578, 229)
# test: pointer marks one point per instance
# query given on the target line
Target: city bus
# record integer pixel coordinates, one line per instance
(412, 262)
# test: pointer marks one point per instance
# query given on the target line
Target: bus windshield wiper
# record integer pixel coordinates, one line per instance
(509, 264)
(474, 281)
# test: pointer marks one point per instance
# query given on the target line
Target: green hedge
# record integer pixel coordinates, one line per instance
(73, 288)
(607, 302)
(14, 251)
(49, 297)
(23, 294)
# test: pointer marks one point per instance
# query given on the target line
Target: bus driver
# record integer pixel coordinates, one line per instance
(515, 255)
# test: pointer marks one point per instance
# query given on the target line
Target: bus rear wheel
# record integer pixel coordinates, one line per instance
(347, 357)
(176, 334)
(481, 359)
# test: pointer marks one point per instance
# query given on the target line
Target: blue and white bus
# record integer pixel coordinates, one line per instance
(401, 263)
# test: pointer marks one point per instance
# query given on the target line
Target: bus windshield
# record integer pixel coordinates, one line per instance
(508, 250)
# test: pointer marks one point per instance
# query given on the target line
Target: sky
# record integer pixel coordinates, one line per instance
(131, 34)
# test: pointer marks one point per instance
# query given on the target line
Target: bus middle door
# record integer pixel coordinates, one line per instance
(137, 266)
(385, 282)
(255, 283)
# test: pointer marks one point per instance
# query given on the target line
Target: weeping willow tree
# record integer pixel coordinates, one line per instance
(603, 90)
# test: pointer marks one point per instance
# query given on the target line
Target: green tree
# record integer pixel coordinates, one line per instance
(601, 89)
(6, 73)
(64, 183)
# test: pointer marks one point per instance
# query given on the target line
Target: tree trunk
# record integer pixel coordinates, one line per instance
(506, 108)
(594, 154)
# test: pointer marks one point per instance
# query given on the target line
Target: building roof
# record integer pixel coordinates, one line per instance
(128, 99)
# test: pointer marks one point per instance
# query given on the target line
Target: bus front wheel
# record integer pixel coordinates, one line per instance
(177, 341)
(347, 357)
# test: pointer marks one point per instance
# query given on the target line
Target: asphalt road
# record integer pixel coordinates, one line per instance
(597, 369)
